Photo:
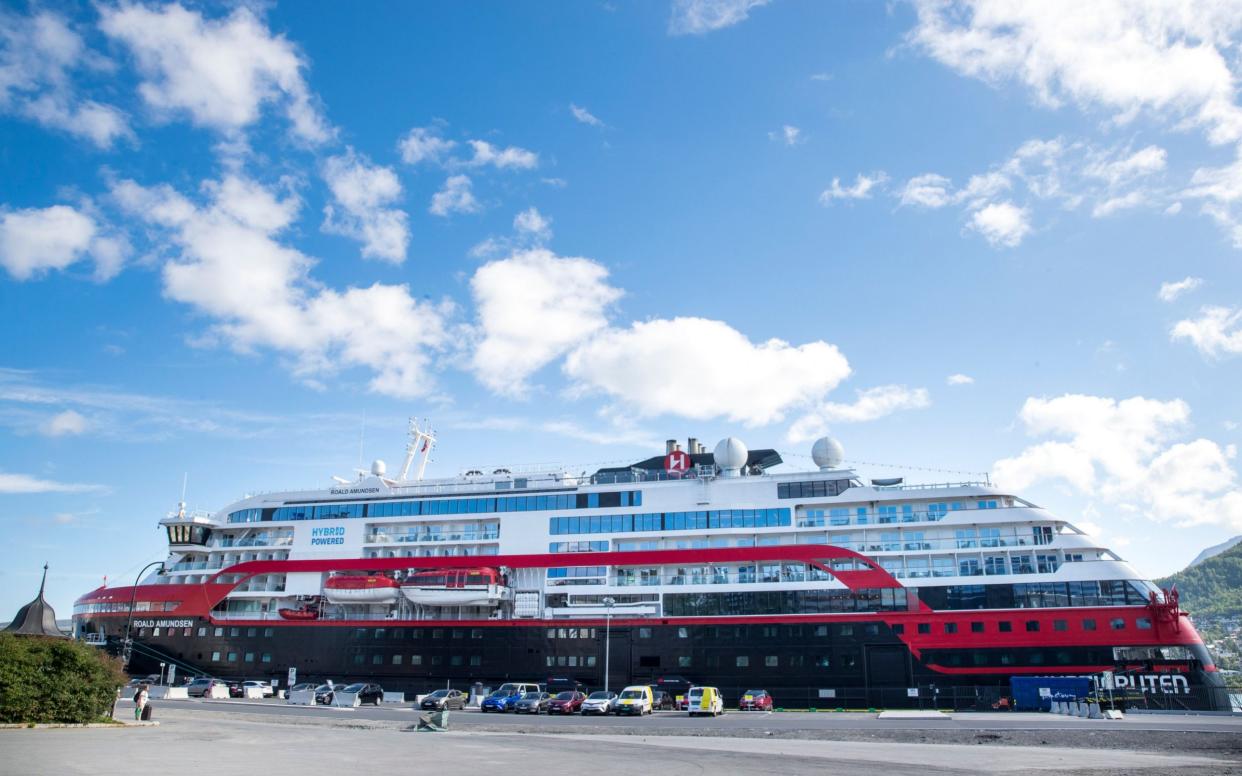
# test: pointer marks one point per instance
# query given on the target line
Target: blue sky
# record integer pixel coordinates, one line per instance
(236, 238)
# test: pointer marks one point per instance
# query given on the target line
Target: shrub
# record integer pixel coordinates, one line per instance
(55, 680)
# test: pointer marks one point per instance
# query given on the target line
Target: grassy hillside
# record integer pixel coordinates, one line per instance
(1212, 588)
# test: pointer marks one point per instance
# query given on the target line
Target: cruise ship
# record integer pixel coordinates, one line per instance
(692, 566)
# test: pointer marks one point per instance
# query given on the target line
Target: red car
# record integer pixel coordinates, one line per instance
(566, 703)
(755, 700)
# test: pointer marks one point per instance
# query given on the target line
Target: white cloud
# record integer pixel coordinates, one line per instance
(363, 192)
(501, 158)
(1117, 172)
(531, 223)
(1172, 290)
(698, 17)
(221, 72)
(1125, 454)
(1124, 57)
(38, 56)
(698, 368)
(959, 379)
(821, 76)
(871, 404)
(454, 197)
(424, 144)
(14, 484)
(1115, 204)
(1069, 174)
(1216, 332)
(862, 188)
(534, 307)
(67, 423)
(35, 241)
(789, 135)
(929, 190)
(1220, 190)
(231, 265)
(585, 116)
(1001, 223)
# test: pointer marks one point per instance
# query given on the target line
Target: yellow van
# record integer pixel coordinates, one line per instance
(635, 699)
(704, 700)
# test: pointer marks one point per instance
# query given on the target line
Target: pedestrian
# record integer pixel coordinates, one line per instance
(140, 701)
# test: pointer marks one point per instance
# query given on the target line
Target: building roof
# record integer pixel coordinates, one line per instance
(36, 618)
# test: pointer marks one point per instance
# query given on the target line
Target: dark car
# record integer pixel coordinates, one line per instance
(201, 687)
(663, 701)
(444, 699)
(236, 690)
(533, 703)
(568, 702)
(366, 692)
(676, 686)
(324, 694)
(755, 700)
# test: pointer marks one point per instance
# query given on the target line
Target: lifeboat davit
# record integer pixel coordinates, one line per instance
(457, 587)
(301, 613)
(361, 589)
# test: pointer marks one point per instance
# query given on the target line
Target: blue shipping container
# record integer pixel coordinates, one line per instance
(1036, 693)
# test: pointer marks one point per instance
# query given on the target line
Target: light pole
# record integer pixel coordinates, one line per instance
(608, 602)
(127, 645)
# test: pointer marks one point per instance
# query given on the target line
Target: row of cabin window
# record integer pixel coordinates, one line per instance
(445, 506)
(1034, 595)
(785, 602)
(889, 513)
(417, 660)
(416, 633)
(265, 657)
(202, 632)
(670, 521)
(1030, 626)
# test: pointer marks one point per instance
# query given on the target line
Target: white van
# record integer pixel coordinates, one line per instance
(704, 700)
(636, 699)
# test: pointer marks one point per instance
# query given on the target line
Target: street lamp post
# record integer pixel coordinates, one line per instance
(127, 645)
(608, 602)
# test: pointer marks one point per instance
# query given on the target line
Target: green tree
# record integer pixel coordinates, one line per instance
(55, 680)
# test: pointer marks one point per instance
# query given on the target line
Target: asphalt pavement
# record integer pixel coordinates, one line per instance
(248, 737)
(732, 721)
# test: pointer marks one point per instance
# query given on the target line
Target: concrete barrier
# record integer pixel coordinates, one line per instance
(347, 699)
(1093, 711)
(394, 697)
(219, 691)
(301, 698)
(253, 692)
(156, 693)
(1081, 709)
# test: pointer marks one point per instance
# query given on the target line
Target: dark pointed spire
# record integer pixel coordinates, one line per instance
(36, 618)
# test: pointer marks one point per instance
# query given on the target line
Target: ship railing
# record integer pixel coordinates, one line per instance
(465, 536)
(936, 485)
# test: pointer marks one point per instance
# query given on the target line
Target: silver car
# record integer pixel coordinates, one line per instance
(600, 703)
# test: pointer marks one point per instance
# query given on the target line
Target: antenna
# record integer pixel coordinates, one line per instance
(422, 439)
(185, 479)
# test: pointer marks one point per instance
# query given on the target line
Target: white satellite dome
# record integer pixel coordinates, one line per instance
(379, 468)
(731, 456)
(827, 453)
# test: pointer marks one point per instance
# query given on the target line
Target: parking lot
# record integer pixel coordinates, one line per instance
(732, 722)
(242, 736)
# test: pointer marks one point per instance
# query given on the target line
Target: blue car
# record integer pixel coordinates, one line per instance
(505, 698)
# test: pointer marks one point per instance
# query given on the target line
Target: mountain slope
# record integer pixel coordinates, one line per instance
(1212, 552)
(1213, 587)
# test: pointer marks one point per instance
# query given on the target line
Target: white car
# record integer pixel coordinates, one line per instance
(268, 690)
(599, 703)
